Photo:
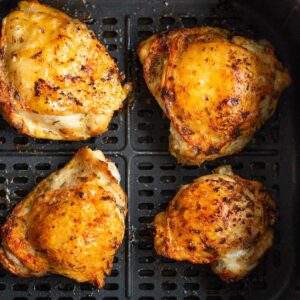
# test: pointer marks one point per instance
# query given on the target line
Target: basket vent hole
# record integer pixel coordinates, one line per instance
(66, 287)
(146, 259)
(258, 165)
(145, 233)
(40, 141)
(21, 193)
(39, 179)
(144, 34)
(145, 166)
(2, 179)
(110, 140)
(188, 179)
(167, 179)
(146, 286)
(43, 166)
(145, 126)
(86, 287)
(169, 286)
(111, 47)
(237, 297)
(145, 113)
(145, 21)
(168, 273)
(168, 193)
(114, 273)
(189, 167)
(20, 180)
(21, 166)
(168, 167)
(146, 273)
(237, 166)
(2, 166)
(163, 205)
(111, 286)
(165, 21)
(191, 286)
(109, 21)
(20, 140)
(191, 298)
(146, 193)
(190, 272)
(109, 34)
(142, 245)
(113, 126)
(145, 140)
(65, 298)
(165, 260)
(145, 179)
(146, 206)
(145, 220)
(188, 21)
(20, 287)
(42, 287)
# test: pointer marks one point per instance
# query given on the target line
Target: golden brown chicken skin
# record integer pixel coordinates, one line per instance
(220, 219)
(57, 81)
(71, 224)
(217, 89)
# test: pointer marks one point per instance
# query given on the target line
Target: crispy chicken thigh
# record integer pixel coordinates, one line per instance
(216, 89)
(71, 224)
(220, 219)
(57, 81)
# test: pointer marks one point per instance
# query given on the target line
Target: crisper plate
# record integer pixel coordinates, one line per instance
(137, 141)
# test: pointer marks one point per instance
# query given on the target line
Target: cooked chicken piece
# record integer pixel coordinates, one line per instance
(71, 224)
(57, 81)
(221, 219)
(217, 89)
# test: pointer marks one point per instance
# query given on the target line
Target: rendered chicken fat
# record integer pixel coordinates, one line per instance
(220, 219)
(71, 224)
(216, 89)
(57, 81)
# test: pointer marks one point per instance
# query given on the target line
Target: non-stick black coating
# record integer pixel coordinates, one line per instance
(138, 142)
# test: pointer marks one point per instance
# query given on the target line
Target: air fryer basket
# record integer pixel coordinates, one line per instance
(137, 141)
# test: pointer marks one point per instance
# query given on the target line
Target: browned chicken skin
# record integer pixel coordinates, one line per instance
(57, 81)
(220, 219)
(216, 89)
(71, 224)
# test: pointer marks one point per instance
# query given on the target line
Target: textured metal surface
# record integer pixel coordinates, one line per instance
(138, 141)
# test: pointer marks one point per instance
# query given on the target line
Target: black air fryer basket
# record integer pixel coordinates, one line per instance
(137, 141)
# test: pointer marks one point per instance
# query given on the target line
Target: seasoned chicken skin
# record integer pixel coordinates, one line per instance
(216, 89)
(57, 81)
(220, 219)
(71, 224)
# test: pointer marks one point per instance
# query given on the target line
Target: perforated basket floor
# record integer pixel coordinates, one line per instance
(138, 140)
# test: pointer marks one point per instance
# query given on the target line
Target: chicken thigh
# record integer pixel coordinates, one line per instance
(216, 89)
(57, 81)
(71, 224)
(220, 219)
